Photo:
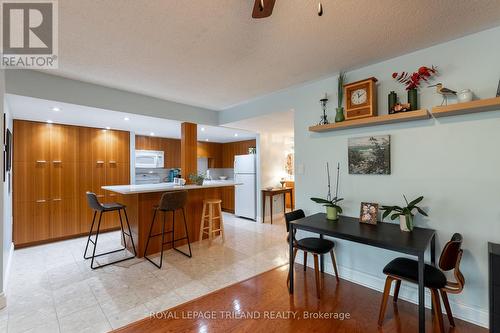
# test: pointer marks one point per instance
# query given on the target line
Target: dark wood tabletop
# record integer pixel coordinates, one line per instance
(384, 235)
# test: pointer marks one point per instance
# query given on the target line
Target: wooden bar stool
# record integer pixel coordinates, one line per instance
(210, 218)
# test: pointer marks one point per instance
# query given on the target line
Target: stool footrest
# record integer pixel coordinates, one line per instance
(175, 240)
(102, 209)
(165, 233)
(213, 230)
(105, 253)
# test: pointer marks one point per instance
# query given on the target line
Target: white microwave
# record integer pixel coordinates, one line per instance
(149, 159)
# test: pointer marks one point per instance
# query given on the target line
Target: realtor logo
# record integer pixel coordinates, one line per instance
(29, 34)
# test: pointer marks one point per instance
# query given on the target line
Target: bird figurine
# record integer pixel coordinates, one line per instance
(445, 92)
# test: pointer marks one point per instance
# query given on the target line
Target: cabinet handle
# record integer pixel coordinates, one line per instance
(58, 199)
(41, 161)
(112, 195)
(40, 201)
(100, 162)
(57, 161)
(112, 162)
(100, 196)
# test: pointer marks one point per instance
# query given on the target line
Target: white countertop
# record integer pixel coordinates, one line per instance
(165, 187)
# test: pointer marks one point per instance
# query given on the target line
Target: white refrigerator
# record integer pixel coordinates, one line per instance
(245, 193)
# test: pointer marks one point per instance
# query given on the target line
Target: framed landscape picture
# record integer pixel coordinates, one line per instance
(369, 213)
(370, 155)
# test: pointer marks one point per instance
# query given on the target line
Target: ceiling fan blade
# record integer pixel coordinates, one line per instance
(263, 8)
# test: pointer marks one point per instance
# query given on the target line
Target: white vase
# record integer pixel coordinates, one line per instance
(464, 96)
(402, 223)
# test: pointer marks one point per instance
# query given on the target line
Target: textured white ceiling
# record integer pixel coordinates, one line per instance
(36, 109)
(213, 54)
(277, 122)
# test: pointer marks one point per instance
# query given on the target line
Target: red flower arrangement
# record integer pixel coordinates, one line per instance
(413, 80)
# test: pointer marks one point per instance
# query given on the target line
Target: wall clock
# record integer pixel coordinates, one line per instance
(361, 99)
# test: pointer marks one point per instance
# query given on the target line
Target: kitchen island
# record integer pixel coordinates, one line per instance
(141, 199)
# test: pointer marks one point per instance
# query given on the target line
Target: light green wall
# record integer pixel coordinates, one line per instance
(454, 162)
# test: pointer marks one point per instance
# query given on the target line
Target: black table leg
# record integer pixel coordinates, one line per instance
(290, 260)
(433, 250)
(263, 207)
(284, 203)
(433, 259)
(271, 207)
(421, 294)
(322, 258)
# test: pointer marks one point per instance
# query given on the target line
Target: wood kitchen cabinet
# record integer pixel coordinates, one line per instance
(31, 221)
(54, 165)
(64, 219)
(64, 143)
(221, 155)
(231, 149)
(170, 147)
(33, 141)
(212, 151)
(106, 162)
(228, 199)
(45, 176)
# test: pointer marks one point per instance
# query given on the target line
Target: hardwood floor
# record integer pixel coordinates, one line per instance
(266, 295)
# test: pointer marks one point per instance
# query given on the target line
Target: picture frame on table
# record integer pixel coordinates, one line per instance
(368, 213)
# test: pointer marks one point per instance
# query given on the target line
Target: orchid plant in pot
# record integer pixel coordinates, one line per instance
(331, 204)
(332, 209)
(405, 214)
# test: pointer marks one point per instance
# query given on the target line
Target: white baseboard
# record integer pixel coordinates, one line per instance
(3, 296)
(3, 300)
(408, 292)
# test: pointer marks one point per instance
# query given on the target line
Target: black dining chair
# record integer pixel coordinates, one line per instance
(407, 269)
(315, 246)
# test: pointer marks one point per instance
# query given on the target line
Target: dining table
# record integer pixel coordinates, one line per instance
(383, 235)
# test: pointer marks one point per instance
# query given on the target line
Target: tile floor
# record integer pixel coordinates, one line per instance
(52, 289)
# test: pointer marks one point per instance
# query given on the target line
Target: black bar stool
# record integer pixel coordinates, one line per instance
(169, 202)
(104, 208)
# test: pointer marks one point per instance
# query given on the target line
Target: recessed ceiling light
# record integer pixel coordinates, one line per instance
(206, 139)
(203, 129)
(235, 134)
(56, 109)
(126, 118)
(107, 127)
(152, 134)
(49, 121)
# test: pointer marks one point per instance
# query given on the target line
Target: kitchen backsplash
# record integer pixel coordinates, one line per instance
(156, 175)
(149, 176)
(216, 172)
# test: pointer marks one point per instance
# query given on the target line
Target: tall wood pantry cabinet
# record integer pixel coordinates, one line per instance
(54, 165)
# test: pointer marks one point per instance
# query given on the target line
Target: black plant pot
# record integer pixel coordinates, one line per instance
(413, 99)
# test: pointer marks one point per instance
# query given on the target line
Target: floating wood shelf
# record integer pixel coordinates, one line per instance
(373, 121)
(482, 105)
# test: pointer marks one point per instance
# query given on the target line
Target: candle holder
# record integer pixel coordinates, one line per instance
(324, 119)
